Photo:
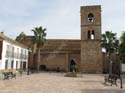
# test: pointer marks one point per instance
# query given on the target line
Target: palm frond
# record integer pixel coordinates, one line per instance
(39, 35)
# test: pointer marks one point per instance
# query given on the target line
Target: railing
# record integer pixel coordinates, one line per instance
(10, 54)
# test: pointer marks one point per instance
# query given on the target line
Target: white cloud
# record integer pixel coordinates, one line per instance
(60, 17)
(16, 7)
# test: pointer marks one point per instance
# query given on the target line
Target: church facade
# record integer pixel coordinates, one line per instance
(86, 52)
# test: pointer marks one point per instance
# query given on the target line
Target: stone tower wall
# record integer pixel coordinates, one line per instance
(91, 55)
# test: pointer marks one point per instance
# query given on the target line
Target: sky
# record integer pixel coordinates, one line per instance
(61, 18)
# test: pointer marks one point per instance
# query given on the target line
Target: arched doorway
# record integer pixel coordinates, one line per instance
(72, 65)
(42, 68)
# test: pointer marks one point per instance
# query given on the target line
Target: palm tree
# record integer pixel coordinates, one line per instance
(39, 39)
(122, 48)
(109, 42)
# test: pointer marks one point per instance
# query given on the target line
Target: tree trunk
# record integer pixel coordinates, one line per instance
(38, 59)
(34, 48)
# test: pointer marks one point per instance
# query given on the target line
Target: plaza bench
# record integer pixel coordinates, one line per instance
(9, 75)
(112, 79)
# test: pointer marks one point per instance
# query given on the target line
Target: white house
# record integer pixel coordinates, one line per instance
(13, 55)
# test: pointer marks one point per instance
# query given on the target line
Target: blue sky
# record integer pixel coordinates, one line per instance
(60, 17)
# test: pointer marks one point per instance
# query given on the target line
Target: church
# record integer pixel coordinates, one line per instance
(56, 54)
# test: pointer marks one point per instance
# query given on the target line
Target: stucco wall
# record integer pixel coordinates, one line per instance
(10, 59)
(123, 67)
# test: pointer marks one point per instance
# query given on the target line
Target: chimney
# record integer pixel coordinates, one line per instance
(2, 32)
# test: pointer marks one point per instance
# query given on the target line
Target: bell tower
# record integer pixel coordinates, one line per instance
(91, 55)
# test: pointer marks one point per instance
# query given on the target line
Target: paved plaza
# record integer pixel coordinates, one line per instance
(57, 83)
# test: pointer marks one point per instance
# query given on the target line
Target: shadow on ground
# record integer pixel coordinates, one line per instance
(102, 91)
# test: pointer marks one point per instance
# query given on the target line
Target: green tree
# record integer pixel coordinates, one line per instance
(110, 43)
(21, 37)
(122, 48)
(39, 39)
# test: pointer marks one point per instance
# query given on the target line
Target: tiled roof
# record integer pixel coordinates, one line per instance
(11, 40)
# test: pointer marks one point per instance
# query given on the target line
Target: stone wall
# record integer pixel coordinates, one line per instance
(91, 57)
(52, 61)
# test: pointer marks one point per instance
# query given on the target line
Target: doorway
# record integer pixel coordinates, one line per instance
(72, 65)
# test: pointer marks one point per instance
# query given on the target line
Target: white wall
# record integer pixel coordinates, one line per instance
(3, 54)
(123, 67)
(0, 64)
(4, 58)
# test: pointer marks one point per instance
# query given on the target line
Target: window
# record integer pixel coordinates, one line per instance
(20, 64)
(17, 53)
(16, 64)
(12, 52)
(91, 34)
(6, 64)
(7, 51)
(90, 17)
(12, 63)
(24, 65)
(21, 54)
(25, 54)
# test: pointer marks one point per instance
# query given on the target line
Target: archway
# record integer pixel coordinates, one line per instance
(42, 68)
(72, 65)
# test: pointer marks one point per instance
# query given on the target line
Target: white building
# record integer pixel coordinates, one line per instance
(13, 55)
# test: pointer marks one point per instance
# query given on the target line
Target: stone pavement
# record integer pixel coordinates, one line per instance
(57, 83)
(103, 91)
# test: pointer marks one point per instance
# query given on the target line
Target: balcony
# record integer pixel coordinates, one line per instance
(10, 54)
